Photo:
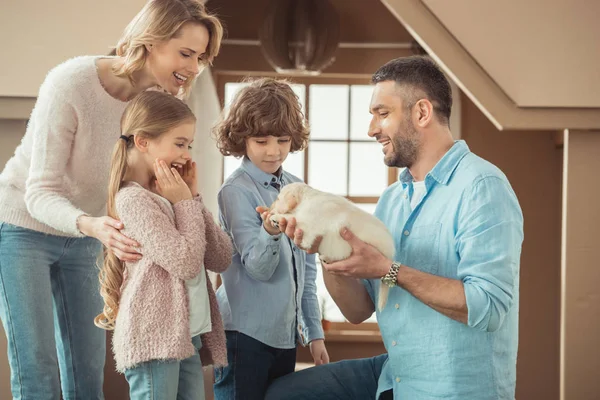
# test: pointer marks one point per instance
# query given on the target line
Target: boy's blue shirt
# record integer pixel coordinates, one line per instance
(269, 291)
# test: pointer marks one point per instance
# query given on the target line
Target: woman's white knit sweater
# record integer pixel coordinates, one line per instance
(60, 170)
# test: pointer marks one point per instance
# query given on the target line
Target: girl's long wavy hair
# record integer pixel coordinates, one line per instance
(150, 114)
(161, 20)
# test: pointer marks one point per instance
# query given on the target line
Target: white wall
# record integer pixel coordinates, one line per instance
(205, 104)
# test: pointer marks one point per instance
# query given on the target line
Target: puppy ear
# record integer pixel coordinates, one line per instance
(288, 203)
(292, 203)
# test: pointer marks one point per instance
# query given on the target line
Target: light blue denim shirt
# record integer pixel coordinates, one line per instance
(468, 226)
(259, 296)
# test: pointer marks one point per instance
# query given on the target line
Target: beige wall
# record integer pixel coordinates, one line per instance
(533, 164)
(479, 84)
(11, 132)
(39, 35)
(580, 324)
(536, 46)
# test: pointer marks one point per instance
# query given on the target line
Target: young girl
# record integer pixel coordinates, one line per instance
(162, 308)
(53, 195)
(269, 291)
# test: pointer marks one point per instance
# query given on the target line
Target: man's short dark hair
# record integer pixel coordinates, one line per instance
(422, 77)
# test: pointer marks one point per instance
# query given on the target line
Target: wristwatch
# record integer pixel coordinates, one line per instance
(390, 278)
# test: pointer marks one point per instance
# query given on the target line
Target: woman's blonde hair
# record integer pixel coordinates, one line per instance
(266, 107)
(161, 20)
(150, 114)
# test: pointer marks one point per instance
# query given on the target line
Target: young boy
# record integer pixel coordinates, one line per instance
(269, 291)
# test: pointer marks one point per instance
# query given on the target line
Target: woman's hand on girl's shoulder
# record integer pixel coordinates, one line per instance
(170, 184)
(319, 352)
(108, 231)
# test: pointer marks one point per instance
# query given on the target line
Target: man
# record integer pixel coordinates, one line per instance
(450, 325)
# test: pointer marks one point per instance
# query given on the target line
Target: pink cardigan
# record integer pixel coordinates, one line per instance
(153, 318)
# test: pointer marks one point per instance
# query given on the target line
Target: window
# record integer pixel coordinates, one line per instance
(340, 157)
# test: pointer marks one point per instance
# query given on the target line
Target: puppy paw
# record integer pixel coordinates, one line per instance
(274, 219)
(324, 259)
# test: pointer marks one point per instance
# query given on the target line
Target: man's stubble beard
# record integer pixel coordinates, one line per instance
(405, 147)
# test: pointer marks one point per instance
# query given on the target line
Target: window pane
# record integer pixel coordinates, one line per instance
(230, 164)
(360, 118)
(330, 310)
(231, 88)
(368, 173)
(300, 91)
(328, 167)
(294, 164)
(328, 111)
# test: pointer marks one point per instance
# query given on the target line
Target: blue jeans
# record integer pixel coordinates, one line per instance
(343, 380)
(252, 367)
(168, 380)
(48, 300)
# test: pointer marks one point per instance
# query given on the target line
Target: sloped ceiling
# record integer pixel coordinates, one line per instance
(526, 64)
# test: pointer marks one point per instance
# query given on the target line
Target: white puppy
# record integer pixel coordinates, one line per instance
(324, 214)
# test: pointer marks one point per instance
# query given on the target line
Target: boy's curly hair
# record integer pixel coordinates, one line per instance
(266, 107)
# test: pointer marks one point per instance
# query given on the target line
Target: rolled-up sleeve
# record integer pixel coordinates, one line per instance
(489, 239)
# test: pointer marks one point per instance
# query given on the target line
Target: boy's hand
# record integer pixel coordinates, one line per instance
(319, 352)
(267, 224)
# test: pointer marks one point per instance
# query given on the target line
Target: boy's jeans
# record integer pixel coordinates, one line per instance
(252, 367)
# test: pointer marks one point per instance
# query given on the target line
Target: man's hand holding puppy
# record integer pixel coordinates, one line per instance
(366, 262)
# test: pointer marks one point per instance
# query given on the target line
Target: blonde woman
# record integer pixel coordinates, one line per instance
(53, 194)
(165, 312)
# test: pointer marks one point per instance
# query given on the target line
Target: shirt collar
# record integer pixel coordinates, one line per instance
(445, 167)
(261, 177)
